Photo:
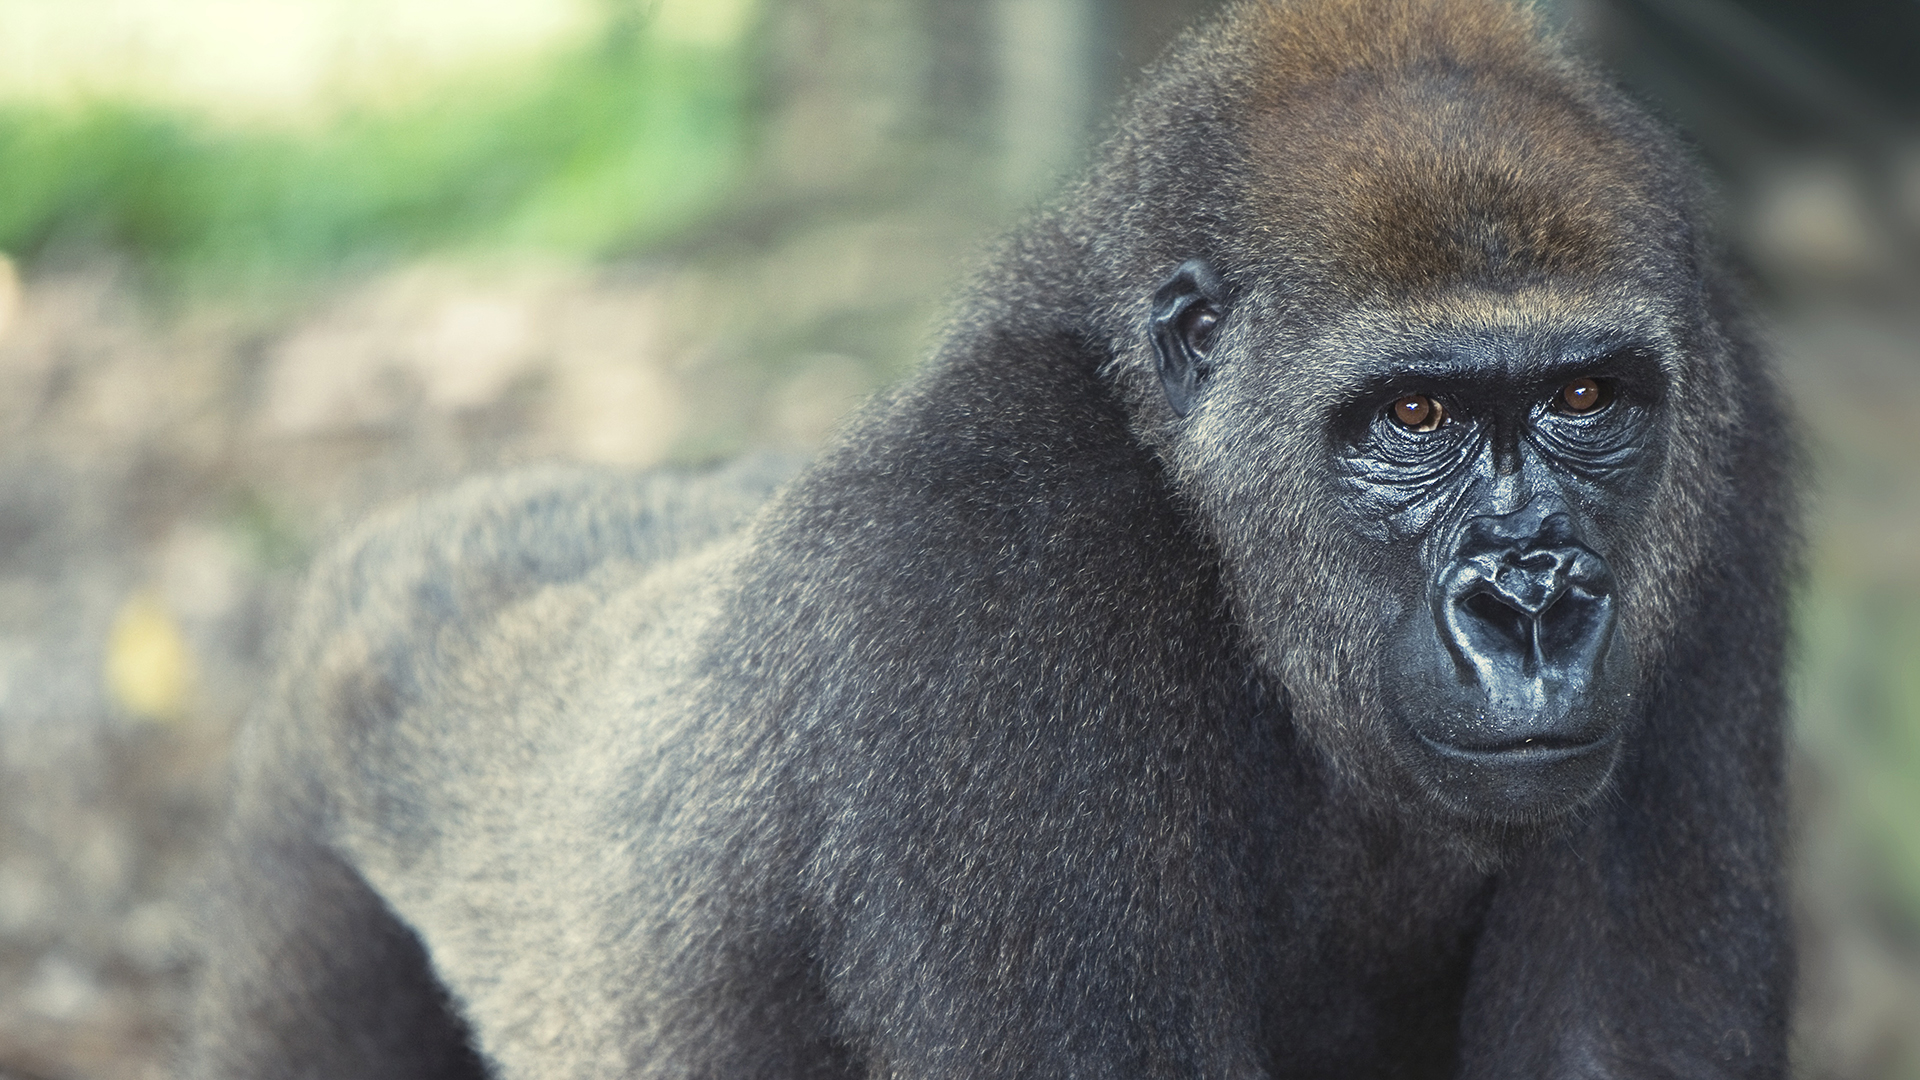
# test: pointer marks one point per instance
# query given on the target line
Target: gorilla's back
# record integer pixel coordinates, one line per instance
(463, 633)
(488, 574)
(465, 554)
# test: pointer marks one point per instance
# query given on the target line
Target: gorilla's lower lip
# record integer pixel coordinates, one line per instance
(1540, 750)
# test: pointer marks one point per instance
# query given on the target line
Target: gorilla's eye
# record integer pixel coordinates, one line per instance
(1417, 412)
(1582, 396)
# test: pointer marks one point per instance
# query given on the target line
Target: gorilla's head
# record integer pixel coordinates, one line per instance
(1427, 518)
(1445, 407)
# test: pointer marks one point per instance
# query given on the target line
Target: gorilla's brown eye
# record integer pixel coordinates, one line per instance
(1418, 412)
(1581, 396)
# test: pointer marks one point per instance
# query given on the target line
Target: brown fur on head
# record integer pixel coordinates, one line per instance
(1390, 151)
(1448, 143)
(1390, 148)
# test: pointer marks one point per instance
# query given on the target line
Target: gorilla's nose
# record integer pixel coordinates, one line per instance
(1526, 609)
(1536, 604)
(1523, 621)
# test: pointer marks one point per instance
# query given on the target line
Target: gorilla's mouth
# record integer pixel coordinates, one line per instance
(1534, 779)
(1538, 750)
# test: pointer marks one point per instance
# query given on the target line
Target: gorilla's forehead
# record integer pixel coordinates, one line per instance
(1441, 156)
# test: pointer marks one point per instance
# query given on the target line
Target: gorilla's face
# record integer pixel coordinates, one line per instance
(1426, 517)
(1504, 457)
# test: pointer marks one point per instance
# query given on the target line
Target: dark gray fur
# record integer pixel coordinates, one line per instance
(1034, 729)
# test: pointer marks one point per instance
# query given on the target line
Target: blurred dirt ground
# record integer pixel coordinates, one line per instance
(163, 477)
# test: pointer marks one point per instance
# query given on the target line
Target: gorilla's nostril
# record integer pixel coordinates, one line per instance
(1502, 617)
(1571, 621)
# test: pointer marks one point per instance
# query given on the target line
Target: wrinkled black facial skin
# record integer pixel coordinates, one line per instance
(1507, 684)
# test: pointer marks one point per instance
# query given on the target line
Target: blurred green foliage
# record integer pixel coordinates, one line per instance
(1859, 706)
(600, 147)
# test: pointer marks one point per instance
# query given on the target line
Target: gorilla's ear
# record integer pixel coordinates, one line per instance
(1187, 309)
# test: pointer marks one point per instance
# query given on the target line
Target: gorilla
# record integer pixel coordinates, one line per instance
(1319, 613)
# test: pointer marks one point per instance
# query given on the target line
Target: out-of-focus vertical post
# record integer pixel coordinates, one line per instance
(1046, 88)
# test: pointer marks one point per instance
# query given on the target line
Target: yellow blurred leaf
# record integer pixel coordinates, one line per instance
(149, 667)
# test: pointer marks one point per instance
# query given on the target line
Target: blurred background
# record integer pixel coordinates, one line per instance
(269, 262)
